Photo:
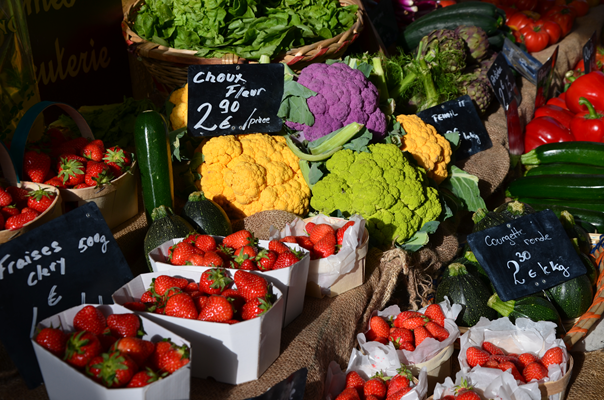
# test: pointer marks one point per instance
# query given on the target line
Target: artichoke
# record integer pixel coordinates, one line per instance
(476, 40)
(445, 49)
(480, 93)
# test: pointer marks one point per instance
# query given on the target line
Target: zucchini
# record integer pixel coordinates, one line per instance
(206, 216)
(153, 156)
(496, 41)
(506, 212)
(477, 8)
(411, 36)
(467, 290)
(572, 298)
(588, 205)
(165, 226)
(592, 271)
(532, 307)
(590, 153)
(564, 168)
(570, 186)
(484, 219)
(576, 234)
(595, 218)
(474, 268)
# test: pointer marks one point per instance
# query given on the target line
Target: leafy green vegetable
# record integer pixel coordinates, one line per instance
(420, 238)
(465, 187)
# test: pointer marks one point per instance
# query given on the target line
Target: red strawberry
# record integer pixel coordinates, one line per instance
(214, 281)
(113, 369)
(181, 305)
(53, 340)
(277, 246)
(18, 221)
(355, 381)
(409, 346)
(71, 172)
(162, 283)
(19, 196)
(70, 157)
(468, 395)
(248, 251)
(266, 259)
(55, 136)
(437, 331)
(414, 322)
(195, 259)
(40, 199)
(205, 243)
(421, 333)
(115, 169)
(97, 174)
(287, 259)
(106, 339)
(82, 186)
(527, 358)
(492, 363)
(476, 356)
(348, 394)
(5, 198)
(435, 313)
(94, 150)
(200, 300)
(400, 381)
(534, 370)
(250, 286)
(492, 349)
(117, 155)
(288, 239)
(135, 306)
(174, 358)
(465, 391)
(379, 325)
(125, 325)
(398, 335)
(191, 287)
(309, 227)
(90, 319)
(321, 230)
(325, 247)
(375, 387)
(255, 308)
(9, 211)
(340, 232)
(514, 360)
(236, 299)
(144, 378)
(81, 347)
(398, 394)
(138, 349)
(212, 259)
(181, 252)
(508, 365)
(248, 265)
(216, 309)
(160, 348)
(398, 321)
(77, 144)
(36, 165)
(448, 397)
(56, 182)
(239, 239)
(555, 355)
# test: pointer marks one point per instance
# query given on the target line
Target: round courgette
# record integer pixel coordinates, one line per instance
(165, 226)
(206, 216)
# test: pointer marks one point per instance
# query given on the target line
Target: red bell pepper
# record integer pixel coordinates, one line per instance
(542, 130)
(590, 86)
(589, 125)
(560, 114)
(557, 101)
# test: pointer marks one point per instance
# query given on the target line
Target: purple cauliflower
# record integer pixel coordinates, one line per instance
(344, 96)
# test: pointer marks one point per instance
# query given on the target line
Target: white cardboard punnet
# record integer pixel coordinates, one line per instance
(291, 281)
(232, 354)
(64, 382)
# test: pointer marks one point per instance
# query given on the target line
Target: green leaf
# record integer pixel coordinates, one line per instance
(295, 109)
(465, 187)
(315, 173)
(453, 138)
(360, 142)
(421, 237)
(175, 137)
(292, 88)
(365, 69)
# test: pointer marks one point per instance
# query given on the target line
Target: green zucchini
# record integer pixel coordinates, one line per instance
(564, 168)
(153, 156)
(165, 226)
(570, 186)
(206, 216)
(496, 41)
(513, 210)
(467, 290)
(592, 270)
(590, 153)
(477, 8)
(506, 212)
(532, 307)
(588, 205)
(474, 268)
(411, 36)
(572, 298)
(595, 218)
(576, 234)
(484, 219)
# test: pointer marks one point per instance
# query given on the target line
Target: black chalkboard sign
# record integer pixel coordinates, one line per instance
(68, 261)
(589, 54)
(460, 116)
(527, 255)
(526, 65)
(502, 81)
(291, 388)
(545, 77)
(234, 99)
(383, 19)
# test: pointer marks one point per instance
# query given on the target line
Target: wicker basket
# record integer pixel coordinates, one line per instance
(169, 65)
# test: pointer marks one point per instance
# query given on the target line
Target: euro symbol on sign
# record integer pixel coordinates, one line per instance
(52, 301)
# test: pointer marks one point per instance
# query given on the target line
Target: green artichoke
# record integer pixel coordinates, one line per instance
(445, 49)
(476, 40)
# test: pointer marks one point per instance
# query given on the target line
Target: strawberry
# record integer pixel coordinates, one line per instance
(287, 259)
(255, 308)
(448, 397)
(160, 348)
(191, 287)
(321, 230)
(348, 394)
(1, 222)
(36, 165)
(144, 378)
(56, 182)
(492, 349)
(250, 286)
(415, 322)
(55, 136)
(162, 283)
(9, 211)
(555, 355)
(527, 358)
(53, 340)
(212, 259)
(82, 186)
(148, 297)
(379, 325)
(71, 172)
(508, 365)
(181, 305)
(70, 157)
(325, 247)
(491, 363)
(266, 259)
(288, 239)
(398, 335)
(239, 239)
(135, 306)
(534, 371)
(115, 169)
(236, 299)
(409, 346)
(375, 386)
(90, 319)
(468, 395)
(464, 391)
(106, 339)
(81, 347)
(514, 360)
(355, 381)
(40, 199)
(5, 198)
(200, 300)
(205, 243)
(94, 150)
(398, 321)
(77, 144)
(125, 325)
(248, 251)
(340, 232)
(19, 196)
(435, 313)
(398, 394)
(248, 265)
(174, 358)
(214, 281)
(309, 227)
(18, 221)
(373, 337)
(97, 174)
(195, 259)
(181, 252)
(400, 381)
(437, 331)
(138, 349)
(113, 369)
(216, 309)
(421, 333)
(117, 155)
(476, 356)
(277, 246)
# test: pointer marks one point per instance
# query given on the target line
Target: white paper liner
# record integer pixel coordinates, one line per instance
(428, 349)
(526, 336)
(337, 264)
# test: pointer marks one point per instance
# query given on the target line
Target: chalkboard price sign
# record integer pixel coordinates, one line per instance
(527, 255)
(68, 261)
(545, 77)
(234, 99)
(502, 81)
(589, 54)
(460, 116)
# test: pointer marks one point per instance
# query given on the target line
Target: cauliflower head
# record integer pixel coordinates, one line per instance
(431, 150)
(382, 186)
(250, 173)
(344, 96)
(178, 116)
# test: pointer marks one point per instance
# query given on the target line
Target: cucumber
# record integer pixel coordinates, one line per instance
(590, 153)
(411, 36)
(572, 298)
(153, 156)
(468, 290)
(165, 226)
(206, 216)
(588, 205)
(564, 168)
(477, 8)
(595, 218)
(532, 307)
(569, 186)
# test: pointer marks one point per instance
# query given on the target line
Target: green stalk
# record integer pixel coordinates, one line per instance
(430, 90)
(504, 308)
(339, 139)
(593, 114)
(310, 157)
(378, 78)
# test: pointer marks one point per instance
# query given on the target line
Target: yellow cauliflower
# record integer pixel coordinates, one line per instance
(246, 174)
(178, 116)
(431, 150)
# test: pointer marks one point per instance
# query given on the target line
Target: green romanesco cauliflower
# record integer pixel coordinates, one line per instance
(382, 186)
